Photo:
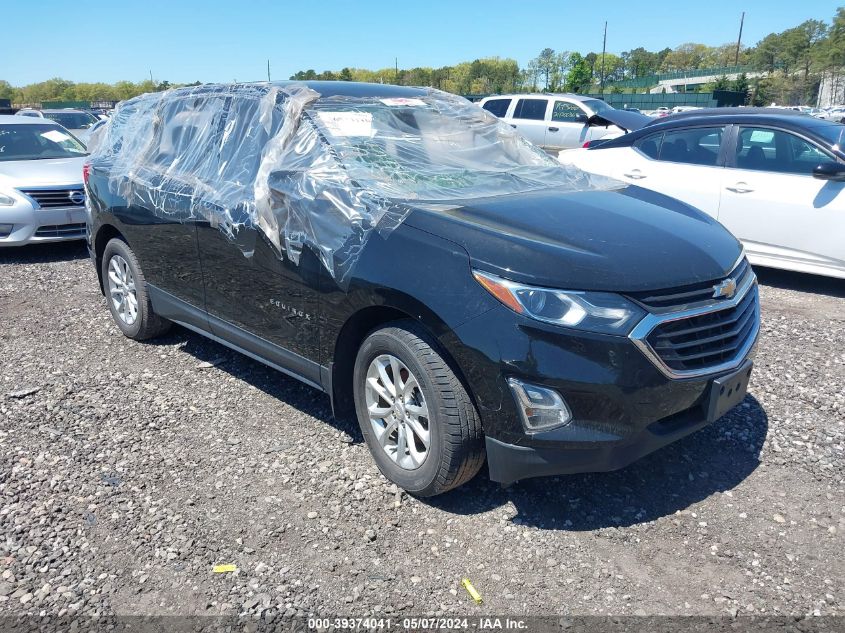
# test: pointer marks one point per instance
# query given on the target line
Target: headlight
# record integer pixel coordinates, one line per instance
(602, 312)
(6, 201)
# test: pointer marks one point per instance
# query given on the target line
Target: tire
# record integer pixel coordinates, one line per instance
(146, 323)
(455, 451)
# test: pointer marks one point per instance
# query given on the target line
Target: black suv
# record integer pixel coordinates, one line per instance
(410, 255)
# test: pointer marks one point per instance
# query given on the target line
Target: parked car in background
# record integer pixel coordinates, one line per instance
(30, 112)
(774, 178)
(833, 114)
(101, 113)
(455, 288)
(78, 122)
(41, 192)
(557, 122)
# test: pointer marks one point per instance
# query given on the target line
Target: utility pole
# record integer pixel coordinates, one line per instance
(396, 76)
(739, 39)
(603, 49)
(268, 70)
(151, 77)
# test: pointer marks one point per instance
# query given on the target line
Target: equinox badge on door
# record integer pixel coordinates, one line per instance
(725, 290)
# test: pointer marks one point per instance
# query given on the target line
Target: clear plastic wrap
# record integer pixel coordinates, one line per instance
(313, 171)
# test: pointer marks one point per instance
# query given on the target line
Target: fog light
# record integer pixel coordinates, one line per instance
(540, 408)
(5, 229)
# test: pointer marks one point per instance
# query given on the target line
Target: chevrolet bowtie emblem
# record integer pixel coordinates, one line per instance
(725, 289)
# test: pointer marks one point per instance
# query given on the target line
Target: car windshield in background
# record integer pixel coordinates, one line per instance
(72, 120)
(433, 149)
(597, 105)
(36, 142)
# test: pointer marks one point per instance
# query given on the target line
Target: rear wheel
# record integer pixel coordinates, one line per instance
(418, 420)
(126, 293)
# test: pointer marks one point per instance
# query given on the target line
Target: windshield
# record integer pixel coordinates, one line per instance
(597, 106)
(432, 148)
(72, 120)
(37, 141)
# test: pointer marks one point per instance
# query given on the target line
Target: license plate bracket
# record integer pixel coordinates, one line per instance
(728, 391)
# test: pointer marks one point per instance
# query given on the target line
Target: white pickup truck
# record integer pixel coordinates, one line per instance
(557, 122)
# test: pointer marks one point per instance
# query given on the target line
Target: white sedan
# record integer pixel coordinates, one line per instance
(774, 178)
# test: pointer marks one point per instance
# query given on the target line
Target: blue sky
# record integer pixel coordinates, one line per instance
(226, 40)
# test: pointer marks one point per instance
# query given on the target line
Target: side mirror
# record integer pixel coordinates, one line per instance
(829, 171)
(582, 118)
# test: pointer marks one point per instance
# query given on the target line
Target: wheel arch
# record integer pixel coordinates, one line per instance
(104, 235)
(355, 330)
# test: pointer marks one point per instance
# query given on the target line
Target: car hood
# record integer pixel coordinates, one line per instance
(624, 240)
(40, 173)
(629, 121)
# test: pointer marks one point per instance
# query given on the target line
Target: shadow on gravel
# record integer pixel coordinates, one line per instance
(800, 282)
(715, 459)
(44, 253)
(283, 388)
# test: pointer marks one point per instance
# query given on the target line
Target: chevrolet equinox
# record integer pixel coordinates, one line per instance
(465, 295)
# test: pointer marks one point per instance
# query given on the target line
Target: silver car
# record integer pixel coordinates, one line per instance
(41, 193)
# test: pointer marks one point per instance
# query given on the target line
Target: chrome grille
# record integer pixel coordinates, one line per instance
(705, 340)
(54, 198)
(689, 332)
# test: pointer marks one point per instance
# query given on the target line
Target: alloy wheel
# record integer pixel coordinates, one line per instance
(398, 412)
(122, 292)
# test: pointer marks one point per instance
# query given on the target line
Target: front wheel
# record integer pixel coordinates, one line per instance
(419, 423)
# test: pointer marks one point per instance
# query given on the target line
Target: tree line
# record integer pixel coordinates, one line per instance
(63, 90)
(793, 61)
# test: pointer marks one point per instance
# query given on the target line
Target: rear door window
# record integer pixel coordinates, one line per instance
(531, 109)
(650, 145)
(188, 133)
(497, 107)
(692, 146)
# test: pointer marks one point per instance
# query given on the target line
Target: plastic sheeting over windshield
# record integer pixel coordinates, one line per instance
(309, 171)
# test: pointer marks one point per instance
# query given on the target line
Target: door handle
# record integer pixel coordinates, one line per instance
(740, 187)
(513, 124)
(634, 174)
(554, 129)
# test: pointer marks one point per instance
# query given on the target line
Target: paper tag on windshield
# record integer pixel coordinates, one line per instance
(54, 135)
(402, 101)
(348, 123)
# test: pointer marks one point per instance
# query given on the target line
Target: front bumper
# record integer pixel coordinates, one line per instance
(509, 463)
(623, 406)
(22, 224)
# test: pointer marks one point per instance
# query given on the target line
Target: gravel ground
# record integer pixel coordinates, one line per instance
(128, 470)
